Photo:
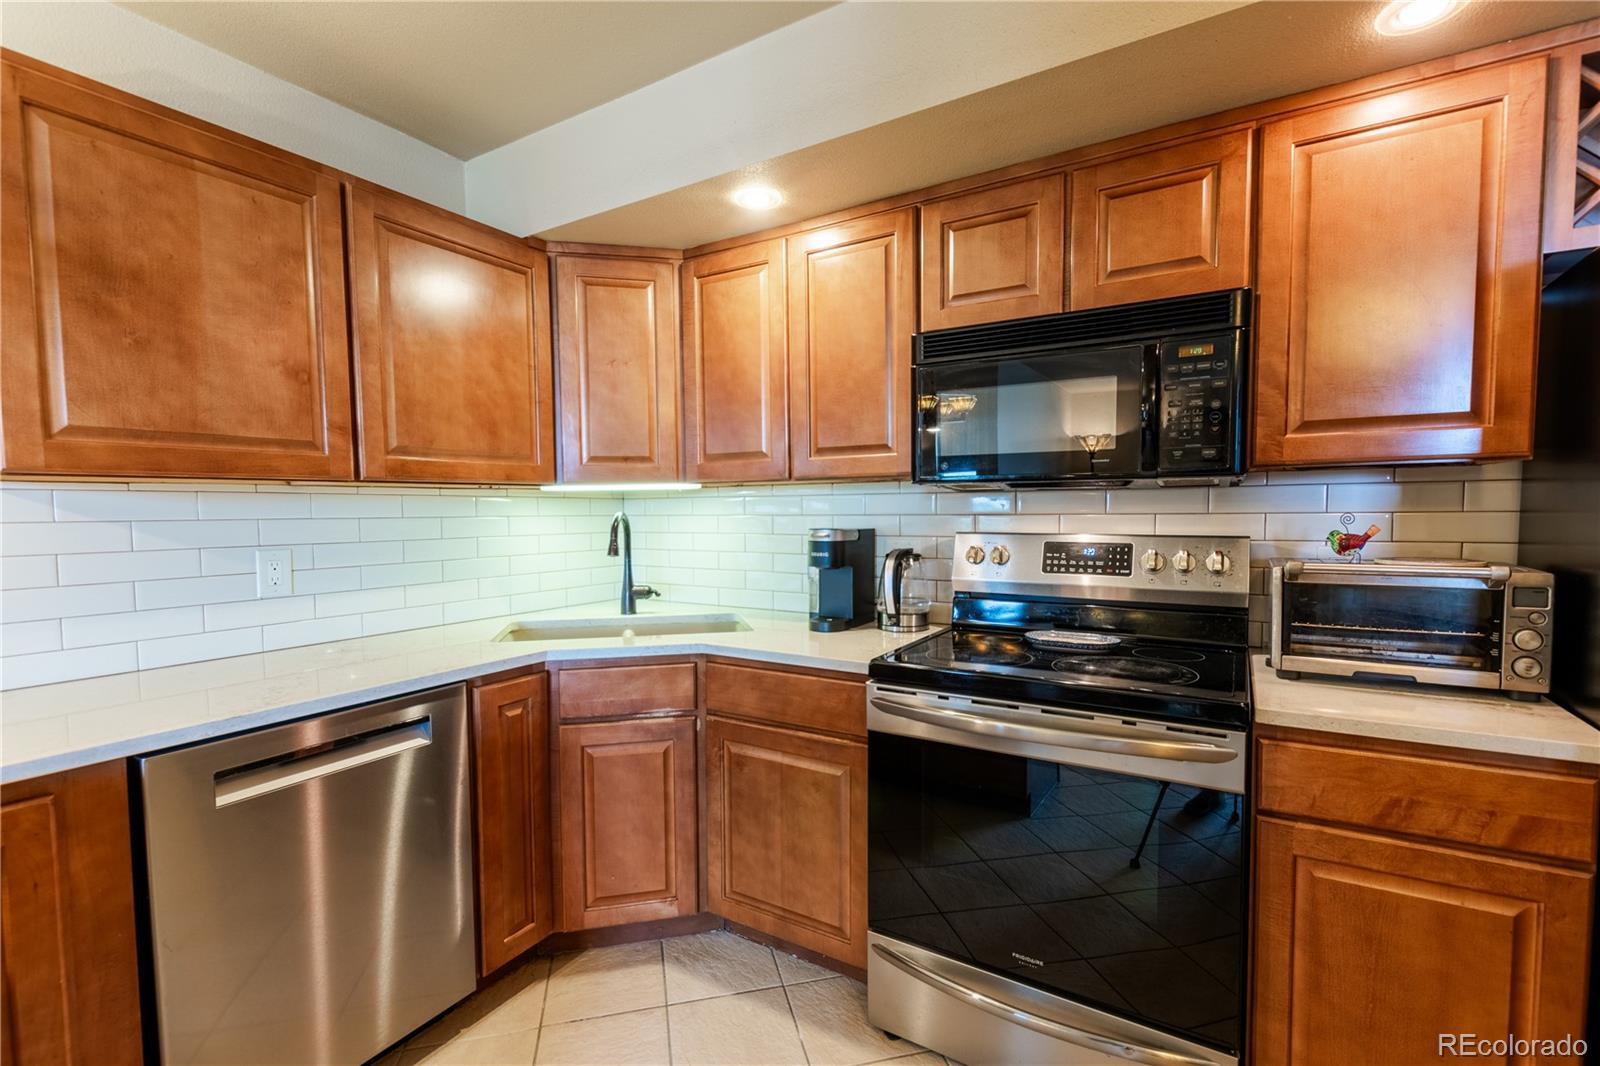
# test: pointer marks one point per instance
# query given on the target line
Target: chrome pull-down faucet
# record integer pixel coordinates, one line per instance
(630, 591)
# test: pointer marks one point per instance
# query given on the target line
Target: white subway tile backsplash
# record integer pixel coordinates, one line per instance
(122, 506)
(169, 570)
(255, 505)
(155, 536)
(97, 569)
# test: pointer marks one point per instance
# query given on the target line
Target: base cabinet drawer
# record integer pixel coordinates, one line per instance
(787, 835)
(629, 821)
(68, 950)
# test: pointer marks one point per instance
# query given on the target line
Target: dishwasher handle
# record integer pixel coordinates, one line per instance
(254, 781)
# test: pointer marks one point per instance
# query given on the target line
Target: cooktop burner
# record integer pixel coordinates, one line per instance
(1169, 655)
(1127, 668)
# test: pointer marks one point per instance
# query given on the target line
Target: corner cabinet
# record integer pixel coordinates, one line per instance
(1404, 893)
(1399, 274)
(452, 346)
(629, 821)
(617, 368)
(994, 254)
(68, 953)
(735, 365)
(852, 311)
(511, 802)
(173, 297)
(1170, 222)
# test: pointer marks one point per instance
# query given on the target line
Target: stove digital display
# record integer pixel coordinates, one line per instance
(1105, 558)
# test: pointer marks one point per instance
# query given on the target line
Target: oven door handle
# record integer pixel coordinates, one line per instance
(995, 723)
(1104, 1043)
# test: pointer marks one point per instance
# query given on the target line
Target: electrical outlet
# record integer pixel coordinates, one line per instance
(274, 572)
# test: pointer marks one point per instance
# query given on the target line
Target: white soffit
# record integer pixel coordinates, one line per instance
(848, 68)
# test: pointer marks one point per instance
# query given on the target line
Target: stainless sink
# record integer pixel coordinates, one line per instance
(637, 626)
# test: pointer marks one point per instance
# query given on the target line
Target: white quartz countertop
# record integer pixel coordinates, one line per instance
(1424, 715)
(76, 723)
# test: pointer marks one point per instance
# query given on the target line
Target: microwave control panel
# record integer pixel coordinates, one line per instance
(1197, 398)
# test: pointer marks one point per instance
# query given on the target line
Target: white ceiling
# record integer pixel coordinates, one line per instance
(470, 76)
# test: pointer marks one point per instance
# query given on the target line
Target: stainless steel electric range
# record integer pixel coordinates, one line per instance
(1056, 871)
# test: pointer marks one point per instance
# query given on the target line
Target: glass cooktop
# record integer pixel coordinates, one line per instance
(1161, 678)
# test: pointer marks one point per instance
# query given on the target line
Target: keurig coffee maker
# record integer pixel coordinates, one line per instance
(842, 578)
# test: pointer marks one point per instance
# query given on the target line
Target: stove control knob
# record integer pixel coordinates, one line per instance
(975, 555)
(1526, 666)
(1183, 560)
(1000, 555)
(1219, 563)
(1528, 639)
(1153, 562)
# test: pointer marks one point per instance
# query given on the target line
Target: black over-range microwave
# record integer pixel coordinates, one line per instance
(1147, 390)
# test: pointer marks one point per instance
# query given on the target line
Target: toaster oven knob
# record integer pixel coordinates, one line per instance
(975, 555)
(1219, 563)
(1528, 639)
(1183, 560)
(1153, 562)
(1526, 666)
(1000, 555)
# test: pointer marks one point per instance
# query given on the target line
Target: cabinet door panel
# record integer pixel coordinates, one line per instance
(1367, 949)
(993, 254)
(735, 365)
(617, 363)
(511, 754)
(68, 948)
(787, 835)
(628, 822)
(173, 295)
(852, 310)
(1165, 223)
(452, 342)
(1399, 274)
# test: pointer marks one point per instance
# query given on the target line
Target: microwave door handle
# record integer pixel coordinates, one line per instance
(1150, 411)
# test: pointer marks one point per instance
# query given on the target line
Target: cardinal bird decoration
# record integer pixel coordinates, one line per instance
(1346, 544)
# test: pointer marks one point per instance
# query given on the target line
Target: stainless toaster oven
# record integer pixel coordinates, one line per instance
(1435, 622)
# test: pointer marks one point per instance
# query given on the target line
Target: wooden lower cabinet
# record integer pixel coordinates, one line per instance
(1402, 893)
(511, 799)
(787, 835)
(629, 821)
(68, 947)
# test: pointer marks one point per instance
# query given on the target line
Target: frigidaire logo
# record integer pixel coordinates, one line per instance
(1025, 959)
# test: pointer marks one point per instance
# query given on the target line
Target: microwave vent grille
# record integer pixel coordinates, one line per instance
(1158, 318)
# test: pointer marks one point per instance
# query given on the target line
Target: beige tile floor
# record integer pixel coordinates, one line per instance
(713, 999)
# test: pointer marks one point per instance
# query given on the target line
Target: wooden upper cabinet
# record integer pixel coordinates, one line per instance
(629, 822)
(787, 835)
(993, 254)
(1165, 223)
(1367, 949)
(452, 346)
(735, 365)
(173, 294)
(1572, 170)
(852, 311)
(1399, 274)
(617, 369)
(511, 799)
(69, 954)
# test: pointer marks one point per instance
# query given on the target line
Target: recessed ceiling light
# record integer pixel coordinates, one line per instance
(757, 197)
(1400, 17)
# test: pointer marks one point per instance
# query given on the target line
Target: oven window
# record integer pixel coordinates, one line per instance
(1043, 417)
(1122, 892)
(1407, 625)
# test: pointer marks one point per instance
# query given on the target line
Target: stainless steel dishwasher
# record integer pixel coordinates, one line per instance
(310, 884)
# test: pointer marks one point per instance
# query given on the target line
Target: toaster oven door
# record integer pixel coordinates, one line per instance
(1446, 633)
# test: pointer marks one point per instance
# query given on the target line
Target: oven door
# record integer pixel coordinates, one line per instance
(1048, 886)
(1050, 417)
